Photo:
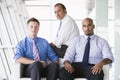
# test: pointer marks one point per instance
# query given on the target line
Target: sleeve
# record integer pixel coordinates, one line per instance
(51, 54)
(71, 51)
(106, 50)
(64, 33)
(19, 51)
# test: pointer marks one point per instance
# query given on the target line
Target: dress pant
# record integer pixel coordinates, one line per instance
(80, 72)
(36, 71)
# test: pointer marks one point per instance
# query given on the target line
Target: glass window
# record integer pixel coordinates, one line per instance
(2, 68)
(8, 26)
(5, 39)
(39, 12)
(16, 25)
(45, 30)
(12, 29)
(37, 2)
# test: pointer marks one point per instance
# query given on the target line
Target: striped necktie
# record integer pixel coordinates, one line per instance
(35, 51)
(86, 52)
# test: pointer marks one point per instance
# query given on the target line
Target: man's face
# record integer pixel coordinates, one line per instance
(59, 12)
(88, 27)
(33, 28)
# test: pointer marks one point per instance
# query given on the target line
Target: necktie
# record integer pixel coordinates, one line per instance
(86, 52)
(59, 28)
(35, 51)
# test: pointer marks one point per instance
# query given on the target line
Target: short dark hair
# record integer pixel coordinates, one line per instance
(34, 20)
(60, 4)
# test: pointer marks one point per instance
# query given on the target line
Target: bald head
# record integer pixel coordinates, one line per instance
(88, 26)
(89, 20)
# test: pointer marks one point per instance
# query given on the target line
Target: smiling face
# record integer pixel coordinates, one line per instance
(59, 12)
(32, 28)
(88, 27)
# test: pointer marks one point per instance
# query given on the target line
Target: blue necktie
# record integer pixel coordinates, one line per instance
(86, 52)
(59, 28)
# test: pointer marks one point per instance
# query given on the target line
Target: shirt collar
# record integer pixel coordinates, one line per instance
(91, 37)
(31, 40)
(64, 19)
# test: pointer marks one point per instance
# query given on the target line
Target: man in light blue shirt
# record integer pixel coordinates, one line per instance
(99, 54)
(25, 54)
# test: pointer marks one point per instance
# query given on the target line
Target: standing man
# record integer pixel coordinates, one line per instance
(86, 55)
(67, 30)
(32, 52)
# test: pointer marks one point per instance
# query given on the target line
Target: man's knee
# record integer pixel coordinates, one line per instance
(98, 76)
(65, 75)
(62, 72)
(37, 65)
(53, 65)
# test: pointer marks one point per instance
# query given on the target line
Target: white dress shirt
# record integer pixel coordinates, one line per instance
(99, 49)
(68, 31)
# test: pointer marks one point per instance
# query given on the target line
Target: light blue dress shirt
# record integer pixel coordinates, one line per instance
(99, 49)
(25, 49)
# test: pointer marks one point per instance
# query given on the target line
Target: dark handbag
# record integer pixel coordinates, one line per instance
(60, 51)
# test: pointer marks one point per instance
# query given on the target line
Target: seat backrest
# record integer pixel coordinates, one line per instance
(106, 71)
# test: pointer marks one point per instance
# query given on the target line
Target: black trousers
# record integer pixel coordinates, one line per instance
(36, 71)
(80, 72)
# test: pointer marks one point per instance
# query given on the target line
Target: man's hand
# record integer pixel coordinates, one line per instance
(52, 44)
(43, 64)
(57, 62)
(97, 68)
(68, 67)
